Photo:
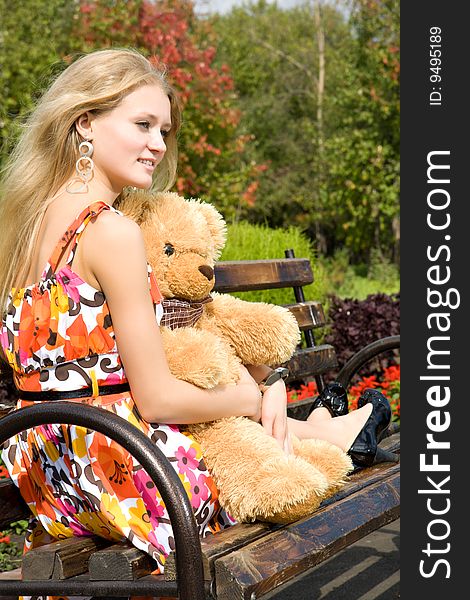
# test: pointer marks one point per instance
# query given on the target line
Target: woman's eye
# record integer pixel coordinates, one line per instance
(144, 124)
(168, 249)
(165, 134)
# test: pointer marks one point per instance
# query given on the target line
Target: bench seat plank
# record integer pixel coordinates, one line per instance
(273, 560)
(300, 409)
(227, 540)
(122, 562)
(14, 574)
(61, 559)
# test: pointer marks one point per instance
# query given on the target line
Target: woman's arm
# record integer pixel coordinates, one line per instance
(114, 251)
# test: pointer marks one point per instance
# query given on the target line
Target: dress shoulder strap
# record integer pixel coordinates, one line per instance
(72, 234)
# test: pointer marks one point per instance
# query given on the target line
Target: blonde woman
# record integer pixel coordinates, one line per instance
(81, 312)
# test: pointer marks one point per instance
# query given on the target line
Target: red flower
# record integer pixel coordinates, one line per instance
(392, 373)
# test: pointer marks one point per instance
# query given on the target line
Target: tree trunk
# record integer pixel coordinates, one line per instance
(321, 71)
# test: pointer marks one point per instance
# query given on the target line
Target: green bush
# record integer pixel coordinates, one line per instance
(358, 281)
(247, 241)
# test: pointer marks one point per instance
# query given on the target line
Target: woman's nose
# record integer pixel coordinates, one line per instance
(157, 143)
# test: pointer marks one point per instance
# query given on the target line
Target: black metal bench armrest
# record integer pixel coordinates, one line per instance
(189, 562)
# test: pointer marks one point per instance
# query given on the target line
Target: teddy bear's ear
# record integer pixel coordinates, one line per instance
(135, 204)
(216, 224)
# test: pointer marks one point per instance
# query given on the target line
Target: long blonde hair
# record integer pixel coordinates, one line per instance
(44, 157)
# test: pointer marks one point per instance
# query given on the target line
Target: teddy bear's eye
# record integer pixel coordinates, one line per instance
(168, 249)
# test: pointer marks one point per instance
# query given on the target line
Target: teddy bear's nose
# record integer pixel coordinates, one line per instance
(207, 271)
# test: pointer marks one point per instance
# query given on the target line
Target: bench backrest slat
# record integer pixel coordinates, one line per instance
(247, 275)
(308, 361)
(308, 314)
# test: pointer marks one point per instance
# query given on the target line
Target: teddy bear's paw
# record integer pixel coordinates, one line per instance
(279, 492)
(199, 357)
(261, 333)
(334, 463)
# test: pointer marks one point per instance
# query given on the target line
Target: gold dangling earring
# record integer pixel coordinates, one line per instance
(84, 168)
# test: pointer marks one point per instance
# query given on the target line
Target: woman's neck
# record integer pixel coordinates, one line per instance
(94, 192)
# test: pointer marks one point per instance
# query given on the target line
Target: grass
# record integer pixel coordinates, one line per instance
(346, 280)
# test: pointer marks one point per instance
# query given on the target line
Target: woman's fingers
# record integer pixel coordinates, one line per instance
(274, 419)
(279, 429)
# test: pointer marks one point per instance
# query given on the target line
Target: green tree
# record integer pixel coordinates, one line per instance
(34, 36)
(287, 99)
(362, 156)
(318, 89)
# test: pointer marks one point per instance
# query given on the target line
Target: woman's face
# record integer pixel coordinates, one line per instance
(129, 141)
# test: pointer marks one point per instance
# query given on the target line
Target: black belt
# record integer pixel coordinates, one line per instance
(87, 392)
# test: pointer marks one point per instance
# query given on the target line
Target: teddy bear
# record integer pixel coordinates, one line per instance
(206, 335)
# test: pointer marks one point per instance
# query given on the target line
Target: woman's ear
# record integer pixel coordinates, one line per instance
(83, 125)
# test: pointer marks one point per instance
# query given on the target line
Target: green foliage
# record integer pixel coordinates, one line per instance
(10, 556)
(19, 527)
(380, 269)
(333, 153)
(38, 39)
(361, 186)
(358, 281)
(34, 36)
(273, 57)
(247, 241)
(360, 288)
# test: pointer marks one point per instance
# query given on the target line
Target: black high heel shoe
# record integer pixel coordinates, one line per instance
(365, 451)
(334, 398)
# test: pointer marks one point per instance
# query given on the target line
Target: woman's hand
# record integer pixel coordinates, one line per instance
(274, 414)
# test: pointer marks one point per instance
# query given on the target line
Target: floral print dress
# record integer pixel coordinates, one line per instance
(58, 335)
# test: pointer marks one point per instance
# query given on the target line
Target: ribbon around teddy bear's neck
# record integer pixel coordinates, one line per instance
(182, 313)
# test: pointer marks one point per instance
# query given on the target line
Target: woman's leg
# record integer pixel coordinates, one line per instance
(340, 431)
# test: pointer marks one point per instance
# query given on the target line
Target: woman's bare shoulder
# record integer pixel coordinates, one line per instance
(111, 240)
(110, 232)
(110, 224)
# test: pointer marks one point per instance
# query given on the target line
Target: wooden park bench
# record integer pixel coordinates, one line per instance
(246, 561)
